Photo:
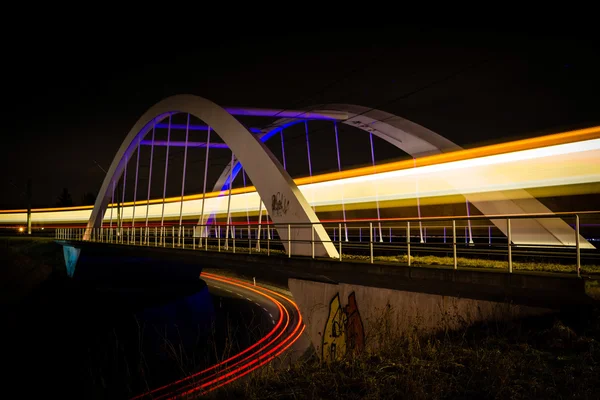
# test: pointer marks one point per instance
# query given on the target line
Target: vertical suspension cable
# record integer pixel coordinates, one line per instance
(229, 203)
(112, 205)
(268, 223)
(247, 214)
(123, 196)
(469, 222)
(312, 196)
(162, 214)
(258, 230)
(418, 202)
(187, 129)
(137, 167)
(308, 149)
(337, 148)
(203, 228)
(150, 173)
(376, 188)
(283, 150)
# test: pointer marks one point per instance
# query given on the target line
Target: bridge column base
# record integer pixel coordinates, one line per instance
(71, 255)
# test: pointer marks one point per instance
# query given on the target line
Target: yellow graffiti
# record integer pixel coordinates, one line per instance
(334, 335)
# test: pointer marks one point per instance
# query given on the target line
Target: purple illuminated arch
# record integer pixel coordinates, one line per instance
(263, 168)
(418, 141)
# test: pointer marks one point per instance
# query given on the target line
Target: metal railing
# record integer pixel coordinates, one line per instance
(393, 237)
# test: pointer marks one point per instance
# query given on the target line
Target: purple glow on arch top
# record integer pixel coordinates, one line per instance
(195, 127)
(173, 143)
(283, 113)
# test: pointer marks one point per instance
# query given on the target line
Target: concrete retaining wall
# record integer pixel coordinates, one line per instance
(334, 327)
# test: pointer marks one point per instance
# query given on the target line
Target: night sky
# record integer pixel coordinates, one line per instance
(71, 100)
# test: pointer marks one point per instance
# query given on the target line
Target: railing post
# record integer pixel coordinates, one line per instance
(408, 242)
(340, 240)
(182, 230)
(371, 242)
(173, 235)
(312, 239)
(219, 237)
(510, 264)
(289, 241)
(206, 238)
(233, 236)
(577, 246)
(249, 239)
(454, 244)
(268, 242)
(258, 232)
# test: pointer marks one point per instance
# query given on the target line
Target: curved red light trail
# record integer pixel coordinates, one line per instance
(285, 332)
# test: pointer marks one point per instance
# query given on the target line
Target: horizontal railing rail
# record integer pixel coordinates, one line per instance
(369, 239)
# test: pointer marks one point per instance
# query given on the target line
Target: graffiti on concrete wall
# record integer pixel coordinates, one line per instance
(344, 333)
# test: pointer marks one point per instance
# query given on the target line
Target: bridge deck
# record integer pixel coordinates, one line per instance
(548, 289)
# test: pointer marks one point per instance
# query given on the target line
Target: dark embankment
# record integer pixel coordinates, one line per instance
(25, 264)
(107, 338)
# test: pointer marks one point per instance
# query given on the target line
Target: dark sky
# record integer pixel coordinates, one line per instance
(72, 96)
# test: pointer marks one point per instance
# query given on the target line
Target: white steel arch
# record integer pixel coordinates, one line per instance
(263, 168)
(418, 141)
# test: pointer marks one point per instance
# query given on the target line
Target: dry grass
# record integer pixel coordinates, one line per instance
(509, 361)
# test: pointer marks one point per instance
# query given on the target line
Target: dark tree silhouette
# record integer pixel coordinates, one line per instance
(88, 199)
(64, 200)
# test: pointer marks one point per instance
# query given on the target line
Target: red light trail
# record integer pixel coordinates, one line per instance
(288, 328)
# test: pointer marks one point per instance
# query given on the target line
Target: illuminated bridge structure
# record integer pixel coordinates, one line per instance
(496, 179)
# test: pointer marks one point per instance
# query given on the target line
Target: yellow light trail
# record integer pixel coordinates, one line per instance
(570, 158)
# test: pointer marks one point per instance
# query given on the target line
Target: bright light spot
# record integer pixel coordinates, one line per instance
(42, 228)
(20, 229)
